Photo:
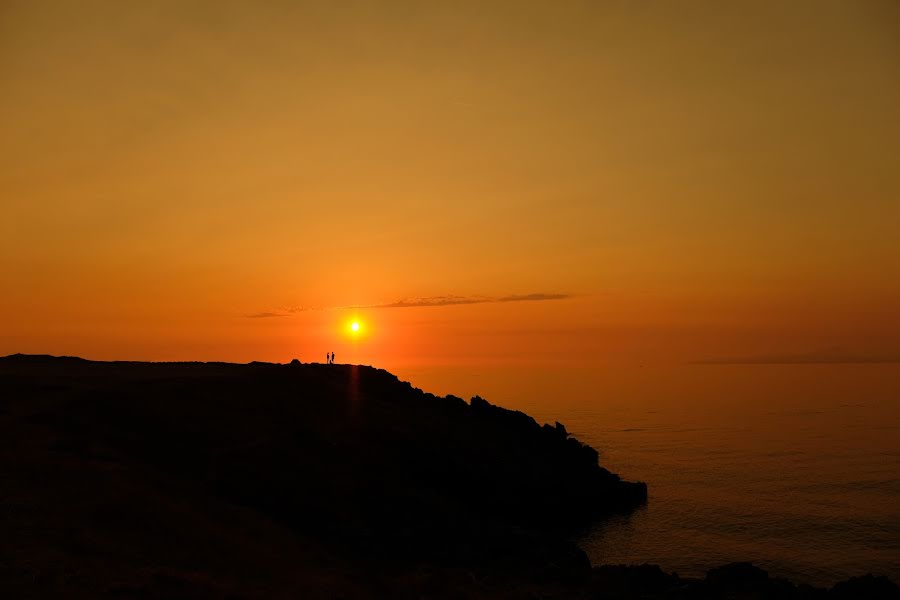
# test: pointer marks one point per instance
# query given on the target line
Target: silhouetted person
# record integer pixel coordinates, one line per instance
(327, 358)
(332, 358)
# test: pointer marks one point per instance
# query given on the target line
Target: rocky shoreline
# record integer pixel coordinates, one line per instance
(305, 480)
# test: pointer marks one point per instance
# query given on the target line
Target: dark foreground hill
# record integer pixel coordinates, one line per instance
(210, 480)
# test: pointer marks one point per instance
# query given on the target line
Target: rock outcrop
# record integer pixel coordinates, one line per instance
(343, 457)
(213, 480)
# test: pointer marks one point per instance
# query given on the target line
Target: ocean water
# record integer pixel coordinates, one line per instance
(793, 467)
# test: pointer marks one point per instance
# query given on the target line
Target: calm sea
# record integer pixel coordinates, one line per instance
(793, 467)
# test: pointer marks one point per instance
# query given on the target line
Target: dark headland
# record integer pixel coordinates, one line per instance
(214, 480)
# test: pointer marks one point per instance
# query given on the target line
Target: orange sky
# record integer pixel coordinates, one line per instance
(698, 180)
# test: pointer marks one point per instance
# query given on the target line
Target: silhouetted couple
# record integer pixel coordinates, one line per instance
(329, 358)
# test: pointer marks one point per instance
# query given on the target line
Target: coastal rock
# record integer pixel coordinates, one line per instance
(345, 455)
(211, 480)
(746, 579)
(634, 581)
(867, 586)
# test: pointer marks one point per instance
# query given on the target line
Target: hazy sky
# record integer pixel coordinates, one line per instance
(645, 181)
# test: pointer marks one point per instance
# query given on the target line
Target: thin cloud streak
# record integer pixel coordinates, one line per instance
(281, 312)
(534, 297)
(429, 301)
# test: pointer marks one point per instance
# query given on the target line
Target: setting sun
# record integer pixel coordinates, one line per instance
(354, 328)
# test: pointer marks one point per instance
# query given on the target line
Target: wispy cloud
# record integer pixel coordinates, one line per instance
(827, 356)
(533, 297)
(430, 301)
(421, 302)
(279, 312)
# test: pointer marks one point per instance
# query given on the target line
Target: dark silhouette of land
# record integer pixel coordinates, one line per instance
(214, 480)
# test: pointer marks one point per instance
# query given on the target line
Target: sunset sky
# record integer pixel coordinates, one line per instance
(486, 183)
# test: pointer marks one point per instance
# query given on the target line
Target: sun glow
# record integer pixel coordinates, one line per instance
(354, 328)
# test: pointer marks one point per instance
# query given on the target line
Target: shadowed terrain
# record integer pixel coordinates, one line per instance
(168, 480)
